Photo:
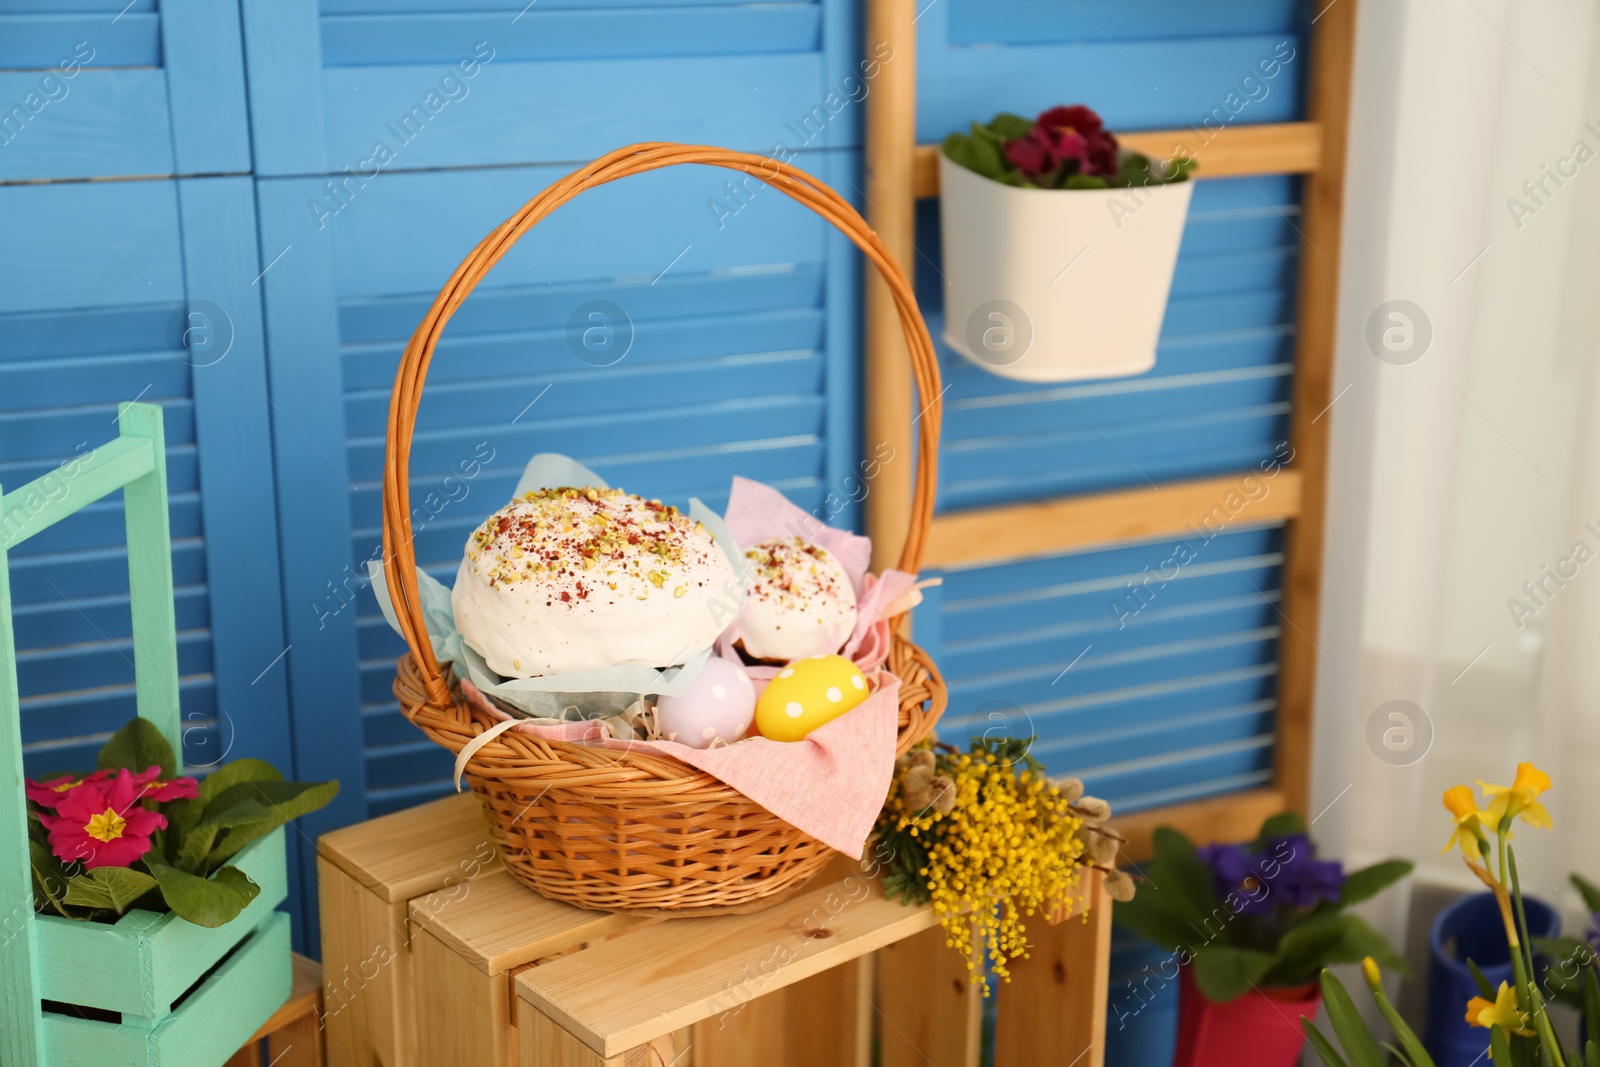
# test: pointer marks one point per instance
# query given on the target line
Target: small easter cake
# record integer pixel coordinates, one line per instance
(571, 579)
(800, 601)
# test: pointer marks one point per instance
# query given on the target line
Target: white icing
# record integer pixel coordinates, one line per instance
(800, 602)
(571, 579)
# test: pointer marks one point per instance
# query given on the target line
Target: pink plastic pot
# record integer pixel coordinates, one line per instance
(1260, 1029)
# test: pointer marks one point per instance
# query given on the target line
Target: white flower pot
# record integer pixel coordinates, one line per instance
(1055, 285)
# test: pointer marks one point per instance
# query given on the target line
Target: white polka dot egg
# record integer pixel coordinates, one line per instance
(807, 694)
(715, 709)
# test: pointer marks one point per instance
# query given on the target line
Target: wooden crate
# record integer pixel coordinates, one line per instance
(432, 954)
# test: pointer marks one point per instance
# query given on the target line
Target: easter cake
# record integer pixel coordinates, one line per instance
(800, 601)
(571, 579)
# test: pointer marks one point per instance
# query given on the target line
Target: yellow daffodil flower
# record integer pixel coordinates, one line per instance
(1520, 798)
(1469, 823)
(1501, 1012)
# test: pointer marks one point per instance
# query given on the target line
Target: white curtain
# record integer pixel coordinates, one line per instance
(1461, 475)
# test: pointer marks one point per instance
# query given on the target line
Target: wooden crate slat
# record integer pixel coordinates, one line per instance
(691, 969)
(507, 925)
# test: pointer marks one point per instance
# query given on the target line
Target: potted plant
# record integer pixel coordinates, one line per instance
(1059, 246)
(1250, 928)
(154, 890)
(1514, 1016)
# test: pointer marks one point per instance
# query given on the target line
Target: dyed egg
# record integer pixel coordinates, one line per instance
(717, 707)
(807, 694)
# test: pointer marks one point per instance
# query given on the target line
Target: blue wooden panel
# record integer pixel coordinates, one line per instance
(361, 40)
(1147, 669)
(91, 92)
(742, 361)
(363, 89)
(99, 283)
(1148, 66)
(1036, 22)
(1216, 401)
(33, 41)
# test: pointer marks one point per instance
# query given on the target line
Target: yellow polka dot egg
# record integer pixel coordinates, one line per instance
(809, 693)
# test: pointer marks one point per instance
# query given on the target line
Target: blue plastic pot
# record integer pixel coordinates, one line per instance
(1471, 929)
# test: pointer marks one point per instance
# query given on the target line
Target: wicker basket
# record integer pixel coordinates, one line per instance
(637, 830)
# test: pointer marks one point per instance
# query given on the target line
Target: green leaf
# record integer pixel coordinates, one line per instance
(1368, 882)
(1330, 1055)
(240, 812)
(1225, 973)
(1283, 824)
(1569, 958)
(1185, 881)
(1348, 1024)
(204, 901)
(1485, 990)
(1589, 891)
(1303, 952)
(1009, 127)
(1591, 1054)
(231, 774)
(1086, 181)
(138, 746)
(977, 155)
(285, 801)
(1414, 1053)
(50, 878)
(1591, 1003)
(1150, 916)
(109, 887)
(1499, 1046)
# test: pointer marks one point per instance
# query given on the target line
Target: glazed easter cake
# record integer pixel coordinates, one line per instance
(800, 602)
(569, 579)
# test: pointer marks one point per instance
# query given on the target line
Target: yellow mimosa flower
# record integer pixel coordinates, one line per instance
(1520, 798)
(1459, 801)
(1501, 1012)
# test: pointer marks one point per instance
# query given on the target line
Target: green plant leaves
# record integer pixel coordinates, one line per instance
(1589, 891)
(282, 801)
(1368, 882)
(1275, 827)
(49, 877)
(239, 771)
(205, 901)
(1330, 1055)
(1348, 1024)
(1150, 916)
(1225, 973)
(116, 888)
(1008, 127)
(982, 151)
(138, 746)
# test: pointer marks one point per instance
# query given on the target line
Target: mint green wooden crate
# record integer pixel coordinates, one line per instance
(186, 995)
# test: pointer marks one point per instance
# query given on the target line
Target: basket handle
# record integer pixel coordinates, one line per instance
(399, 552)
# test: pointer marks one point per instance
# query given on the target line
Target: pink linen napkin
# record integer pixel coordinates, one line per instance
(831, 785)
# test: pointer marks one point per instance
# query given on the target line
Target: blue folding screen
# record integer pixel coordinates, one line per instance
(390, 136)
(100, 88)
(113, 291)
